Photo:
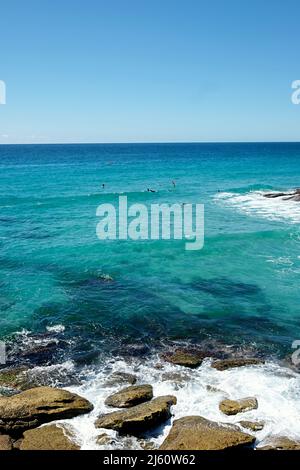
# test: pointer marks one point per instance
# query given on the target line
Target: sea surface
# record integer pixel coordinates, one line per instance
(78, 308)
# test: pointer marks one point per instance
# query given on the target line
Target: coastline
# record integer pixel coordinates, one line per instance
(199, 388)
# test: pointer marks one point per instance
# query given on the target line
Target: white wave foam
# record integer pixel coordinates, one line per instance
(255, 203)
(276, 388)
(55, 328)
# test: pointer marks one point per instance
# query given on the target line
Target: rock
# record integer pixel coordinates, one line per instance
(104, 439)
(17, 443)
(279, 443)
(5, 442)
(274, 195)
(252, 425)
(37, 406)
(186, 358)
(14, 378)
(286, 196)
(197, 433)
(50, 437)
(147, 445)
(130, 396)
(212, 389)
(224, 364)
(120, 378)
(232, 407)
(174, 377)
(139, 418)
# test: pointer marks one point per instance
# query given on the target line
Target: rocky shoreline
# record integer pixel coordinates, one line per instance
(286, 196)
(33, 417)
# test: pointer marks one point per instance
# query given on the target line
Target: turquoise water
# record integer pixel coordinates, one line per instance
(242, 287)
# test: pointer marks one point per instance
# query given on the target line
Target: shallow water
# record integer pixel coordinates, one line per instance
(130, 299)
(241, 286)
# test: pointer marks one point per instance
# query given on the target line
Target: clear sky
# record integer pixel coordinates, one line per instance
(148, 70)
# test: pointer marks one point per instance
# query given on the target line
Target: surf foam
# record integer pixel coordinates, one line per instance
(198, 392)
(254, 203)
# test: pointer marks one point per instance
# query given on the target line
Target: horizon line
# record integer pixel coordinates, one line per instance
(160, 143)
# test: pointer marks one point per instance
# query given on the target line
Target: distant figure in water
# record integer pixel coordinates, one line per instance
(151, 190)
(173, 183)
(103, 185)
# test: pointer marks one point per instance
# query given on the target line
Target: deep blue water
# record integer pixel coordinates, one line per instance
(242, 287)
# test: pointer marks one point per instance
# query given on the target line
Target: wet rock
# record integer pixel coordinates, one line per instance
(252, 425)
(130, 396)
(14, 378)
(212, 389)
(139, 418)
(236, 362)
(197, 433)
(37, 406)
(274, 195)
(279, 443)
(232, 407)
(50, 437)
(5, 442)
(136, 350)
(185, 358)
(286, 196)
(119, 378)
(17, 443)
(104, 439)
(147, 445)
(174, 377)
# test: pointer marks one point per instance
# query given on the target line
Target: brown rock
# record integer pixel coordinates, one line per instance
(186, 358)
(252, 425)
(104, 439)
(197, 433)
(17, 443)
(224, 364)
(147, 445)
(5, 442)
(130, 396)
(139, 418)
(279, 443)
(48, 438)
(232, 407)
(37, 406)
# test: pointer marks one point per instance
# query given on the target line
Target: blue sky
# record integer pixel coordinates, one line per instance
(152, 71)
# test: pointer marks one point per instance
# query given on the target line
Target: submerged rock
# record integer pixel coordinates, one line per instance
(224, 364)
(197, 433)
(232, 407)
(176, 378)
(6, 442)
(139, 418)
(252, 425)
(130, 396)
(37, 406)
(184, 357)
(50, 437)
(117, 378)
(279, 443)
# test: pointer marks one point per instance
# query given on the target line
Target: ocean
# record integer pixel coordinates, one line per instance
(115, 304)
